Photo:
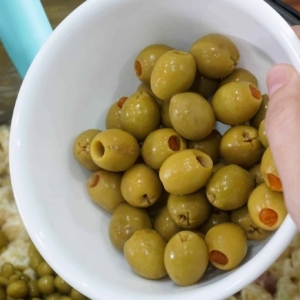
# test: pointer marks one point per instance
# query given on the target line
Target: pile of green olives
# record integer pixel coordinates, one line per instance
(182, 195)
(46, 284)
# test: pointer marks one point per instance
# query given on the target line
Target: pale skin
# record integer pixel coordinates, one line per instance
(283, 130)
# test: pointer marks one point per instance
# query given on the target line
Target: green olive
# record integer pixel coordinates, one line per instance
(82, 148)
(189, 211)
(262, 134)
(114, 150)
(113, 116)
(147, 88)
(75, 295)
(191, 116)
(140, 186)
(46, 284)
(242, 218)
(261, 113)
(44, 269)
(227, 245)
(216, 56)
(206, 87)
(104, 188)
(160, 203)
(173, 73)
(144, 252)
(240, 145)
(185, 172)
(125, 220)
(209, 145)
(140, 115)
(7, 269)
(229, 187)
(216, 217)
(266, 207)
(165, 116)
(17, 289)
(240, 74)
(146, 60)
(269, 171)
(217, 167)
(164, 225)
(236, 102)
(256, 174)
(159, 145)
(186, 258)
(61, 285)
(33, 288)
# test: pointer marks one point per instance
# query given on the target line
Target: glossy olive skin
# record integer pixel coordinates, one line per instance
(82, 148)
(113, 117)
(165, 117)
(146, 59)
(256, 174)
(206, 87)
(269, 171)
(185, 172)
(140, 115)
(159, 145)
(240, 145)
(146, 88)
(216, 217)
(240, 74)
(104, 188)
(191, 116)
(144, 252)
(261, 113)
(216, 55)
(189, 211)
(140, 186)
(222, 191)
(229, 240)
(114, 150)
(164, 225)
(267, 208)
(236, 102)
(262, 134)
(242, 218)
(209, 145)
(173, 73)
(125, 220)
(186, 258)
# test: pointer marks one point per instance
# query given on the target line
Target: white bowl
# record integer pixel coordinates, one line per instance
(86, 65)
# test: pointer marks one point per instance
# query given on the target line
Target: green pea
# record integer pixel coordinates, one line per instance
(16, 276)
(64, 298)
(54, 296)
(33, 288)
(3, 240)
(17, 289)
(46, 284)
(36, 298)
(7, 270)
(25, 277)
(35, 260)
(61, 285)
(44, 269)
(75, 295)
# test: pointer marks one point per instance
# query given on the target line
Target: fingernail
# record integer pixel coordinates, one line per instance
(277, 78)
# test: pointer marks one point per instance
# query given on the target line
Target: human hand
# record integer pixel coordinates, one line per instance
(283, 130)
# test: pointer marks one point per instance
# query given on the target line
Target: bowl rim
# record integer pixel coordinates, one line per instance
(280, 30)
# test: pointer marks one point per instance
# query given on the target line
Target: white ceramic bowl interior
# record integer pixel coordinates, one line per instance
(84, 67)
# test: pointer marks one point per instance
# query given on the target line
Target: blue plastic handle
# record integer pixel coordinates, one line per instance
(24, 27)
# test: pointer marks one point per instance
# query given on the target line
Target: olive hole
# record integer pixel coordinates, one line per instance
(93, 180)
(268, 217)
(178, 52)
(218, 257)
(145, 199)
(212, 198)
(204, 161)
(174, 143)
(122, 101)
(99, 149)
(138, 68)
(255, 92)
(274, 182)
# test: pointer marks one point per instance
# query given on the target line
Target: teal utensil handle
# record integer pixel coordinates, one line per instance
(24, 27)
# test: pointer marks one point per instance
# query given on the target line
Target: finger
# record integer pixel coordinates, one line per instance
(283, 131)
(297, 30)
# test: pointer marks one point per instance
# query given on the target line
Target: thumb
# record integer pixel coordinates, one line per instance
(283, 131)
